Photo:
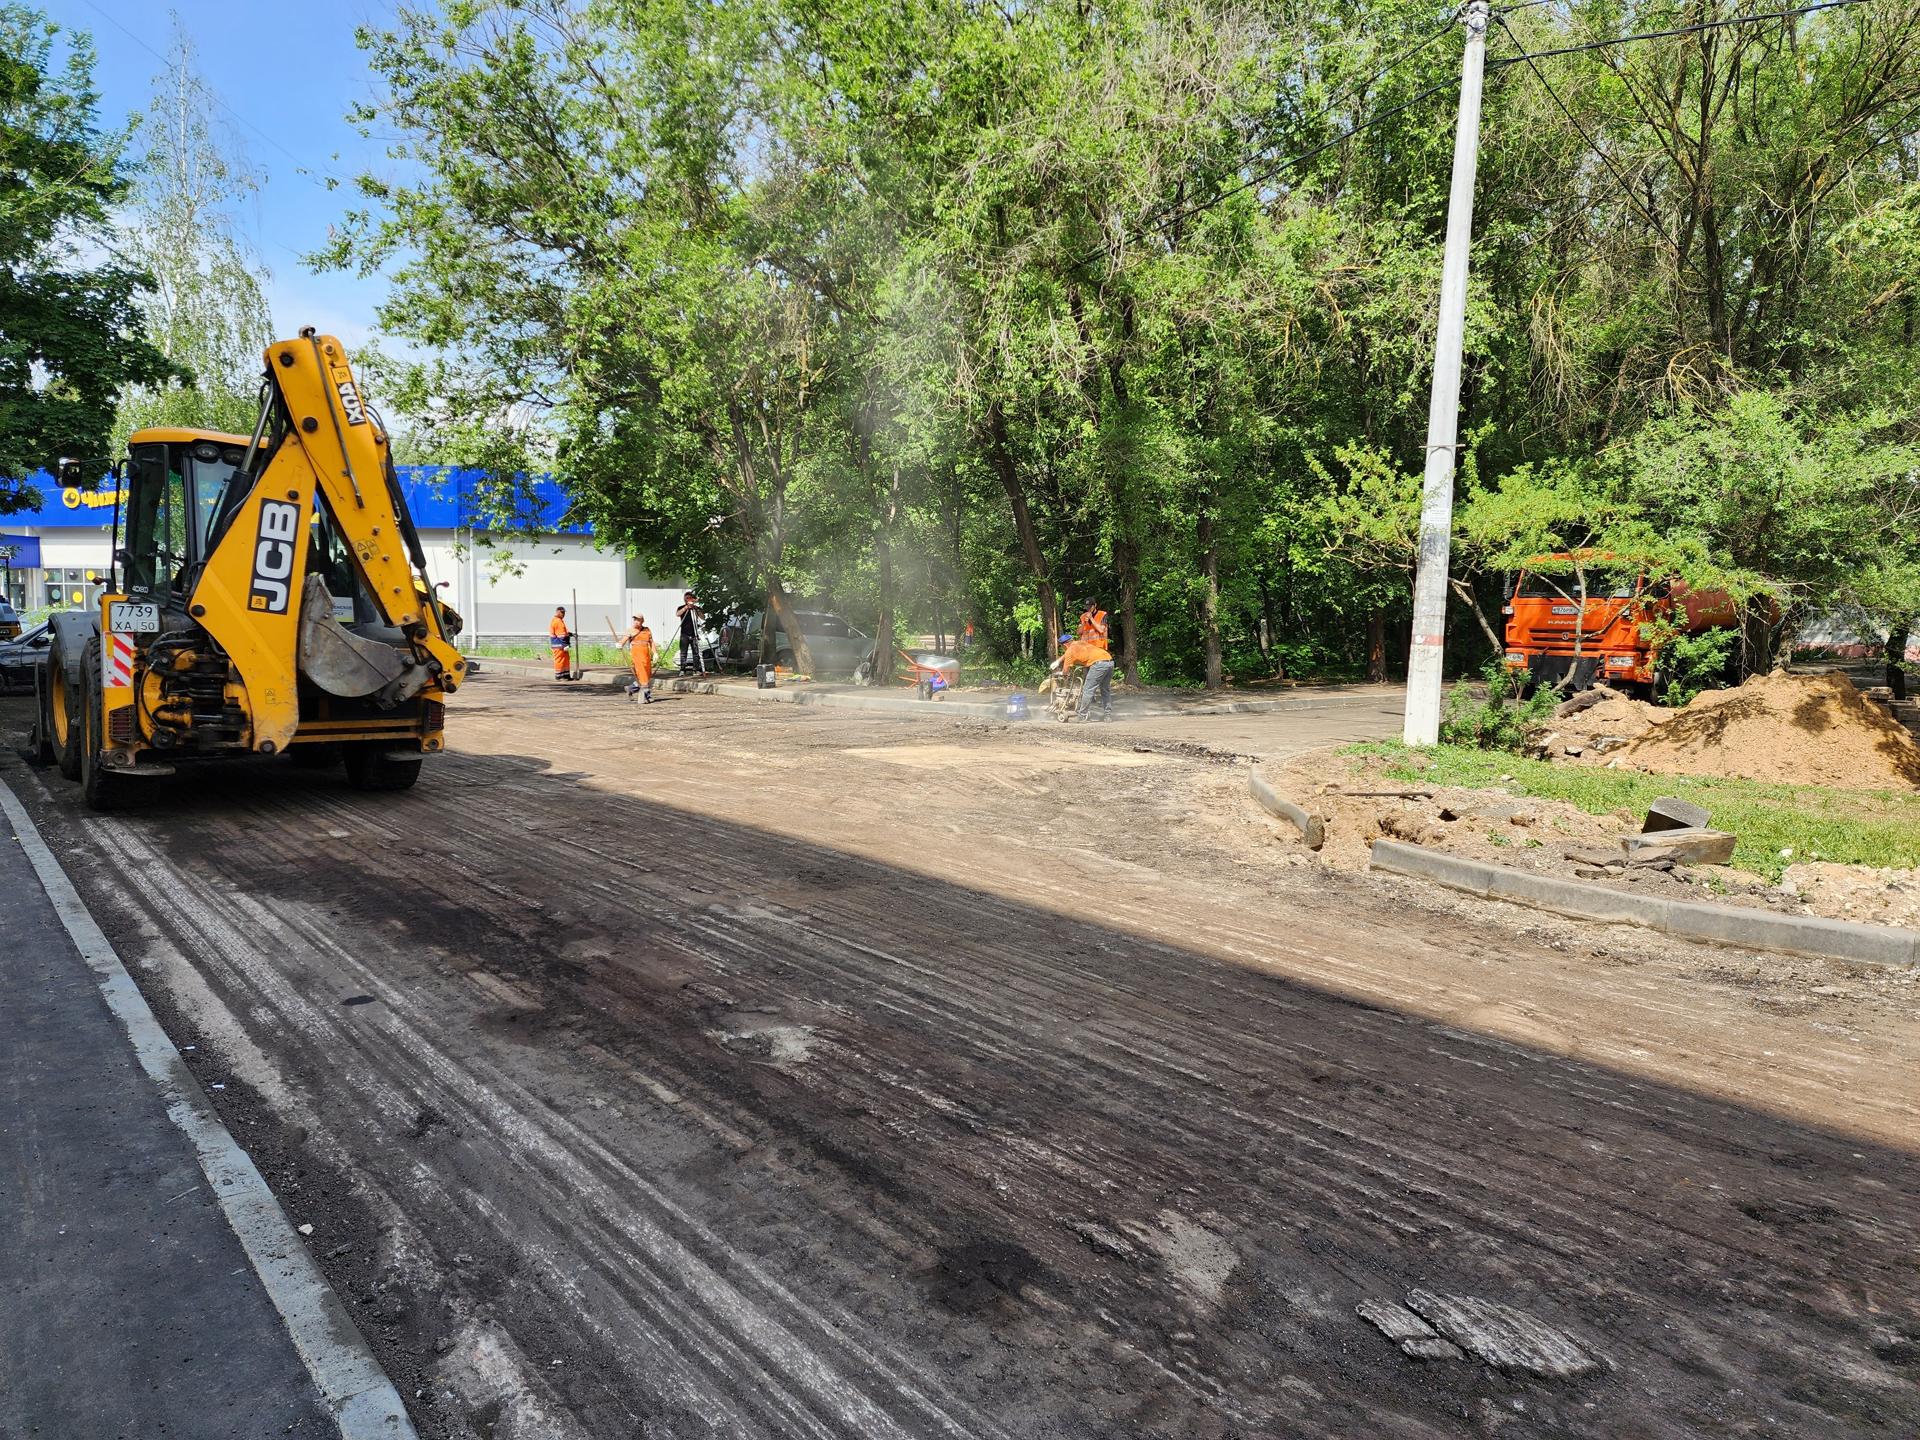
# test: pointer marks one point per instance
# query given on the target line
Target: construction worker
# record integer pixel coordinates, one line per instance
(690, 615)
(560, 640)
(639, 643)
(1091, 652)
(1093, 623)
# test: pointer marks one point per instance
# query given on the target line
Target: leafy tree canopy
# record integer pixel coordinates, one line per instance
(72, 333)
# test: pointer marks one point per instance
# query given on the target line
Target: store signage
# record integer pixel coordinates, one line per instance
(76, 499)
(19, 552)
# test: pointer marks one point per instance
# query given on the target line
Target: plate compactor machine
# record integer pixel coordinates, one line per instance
(268, 596)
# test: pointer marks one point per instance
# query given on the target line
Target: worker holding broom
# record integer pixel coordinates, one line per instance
(639, 642)
(560, 641)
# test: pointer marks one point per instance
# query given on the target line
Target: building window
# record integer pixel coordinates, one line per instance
(65, 589)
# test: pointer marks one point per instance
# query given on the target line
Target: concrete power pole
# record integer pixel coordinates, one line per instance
(1443, 413)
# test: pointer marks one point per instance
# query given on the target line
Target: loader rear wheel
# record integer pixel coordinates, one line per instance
(372, 766)
(61, 721)
(99, 786)
(42, 729)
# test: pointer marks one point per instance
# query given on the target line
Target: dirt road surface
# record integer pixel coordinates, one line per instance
(720, 1069)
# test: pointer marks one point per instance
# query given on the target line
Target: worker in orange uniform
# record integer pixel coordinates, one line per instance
(1093, 623)
(560, 639)
(639, 643)
(1090, 649)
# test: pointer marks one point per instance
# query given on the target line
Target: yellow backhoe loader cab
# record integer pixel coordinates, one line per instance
(269, 596)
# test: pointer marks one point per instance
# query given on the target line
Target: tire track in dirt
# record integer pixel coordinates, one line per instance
(787, 1374)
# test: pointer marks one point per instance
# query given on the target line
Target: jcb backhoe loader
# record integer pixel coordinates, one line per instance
(268, 596)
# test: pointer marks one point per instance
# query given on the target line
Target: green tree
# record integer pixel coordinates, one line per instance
(72, 334)
(206, 309)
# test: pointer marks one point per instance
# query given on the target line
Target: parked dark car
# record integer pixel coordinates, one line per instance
(9, 621)
(838, 648)
(19, 657)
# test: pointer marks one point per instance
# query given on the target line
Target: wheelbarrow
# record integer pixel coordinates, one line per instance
(931, 675)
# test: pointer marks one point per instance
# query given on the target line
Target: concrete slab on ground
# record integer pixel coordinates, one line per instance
(131, 1307)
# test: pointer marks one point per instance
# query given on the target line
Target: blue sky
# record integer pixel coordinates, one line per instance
(287, 74)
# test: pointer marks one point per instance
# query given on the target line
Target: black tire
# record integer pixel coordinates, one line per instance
(42, 731)
(99, 787)
(370, 766)
(63, 718)
(783, 657)
(313, 757)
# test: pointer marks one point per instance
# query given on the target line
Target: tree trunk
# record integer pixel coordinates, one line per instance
(1377, 646)
(782, 610)
(883, 653)
(1000, 454)
(1127, 560)
(1210, 597)
(1896, 654)
(1465, 592)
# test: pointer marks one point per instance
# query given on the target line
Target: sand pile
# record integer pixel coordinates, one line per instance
(1795, 729)
(1618, 714)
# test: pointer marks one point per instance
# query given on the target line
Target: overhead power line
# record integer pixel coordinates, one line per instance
(1587, 137)
(1731, 20)
(300, 166)
(1168, 218)
(1274, 171)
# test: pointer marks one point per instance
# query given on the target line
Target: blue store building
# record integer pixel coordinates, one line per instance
(505, 579)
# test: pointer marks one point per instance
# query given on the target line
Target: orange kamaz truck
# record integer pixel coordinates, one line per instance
(1575, 619)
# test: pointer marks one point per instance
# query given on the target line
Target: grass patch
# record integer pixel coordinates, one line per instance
(1852, 827)
(587, 654)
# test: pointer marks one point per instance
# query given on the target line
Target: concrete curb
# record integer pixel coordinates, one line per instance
(1682, 919)
(1312, 828)
(886, 704)
(364, 1403)
(972, 709)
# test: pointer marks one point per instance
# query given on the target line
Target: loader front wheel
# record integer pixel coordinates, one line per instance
(99, 786)
(372, 766)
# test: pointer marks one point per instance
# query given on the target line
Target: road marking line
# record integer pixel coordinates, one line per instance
(364, 1403)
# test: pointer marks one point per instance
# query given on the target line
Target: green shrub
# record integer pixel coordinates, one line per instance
(1692, 663)
(1501, 721)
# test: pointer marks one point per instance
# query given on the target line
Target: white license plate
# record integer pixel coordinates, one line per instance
(129, 617)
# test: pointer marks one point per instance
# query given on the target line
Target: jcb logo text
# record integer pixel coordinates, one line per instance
(349, 395)
(273, 557)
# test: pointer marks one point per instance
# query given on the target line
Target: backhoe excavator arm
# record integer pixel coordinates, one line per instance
(329, 451)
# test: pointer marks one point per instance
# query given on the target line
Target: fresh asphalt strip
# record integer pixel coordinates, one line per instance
(362, 1398)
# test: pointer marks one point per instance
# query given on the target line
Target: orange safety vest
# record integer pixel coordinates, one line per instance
(1091, 625)
(641, 652)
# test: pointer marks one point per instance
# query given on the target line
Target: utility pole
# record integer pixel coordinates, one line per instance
(1443, 413)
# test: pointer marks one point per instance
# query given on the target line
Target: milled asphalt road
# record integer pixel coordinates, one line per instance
(129, 1307)
(741, 1070)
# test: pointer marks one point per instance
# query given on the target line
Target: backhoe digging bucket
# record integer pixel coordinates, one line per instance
(345, 664)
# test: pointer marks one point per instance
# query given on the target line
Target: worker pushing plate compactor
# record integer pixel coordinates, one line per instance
(268, 596)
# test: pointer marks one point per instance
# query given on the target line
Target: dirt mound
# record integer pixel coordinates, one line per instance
(1620, 715)
(1795, 729)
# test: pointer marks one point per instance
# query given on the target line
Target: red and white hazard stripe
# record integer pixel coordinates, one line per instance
(116, 662)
